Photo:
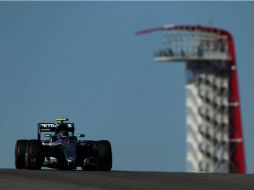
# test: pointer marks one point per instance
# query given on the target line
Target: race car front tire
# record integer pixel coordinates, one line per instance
(33, 157)
(20, 151)
(104, 155)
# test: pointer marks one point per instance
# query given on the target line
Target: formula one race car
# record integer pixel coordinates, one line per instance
(60, 149)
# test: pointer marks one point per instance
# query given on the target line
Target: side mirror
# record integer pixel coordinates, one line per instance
(48, 135)
(81, 135)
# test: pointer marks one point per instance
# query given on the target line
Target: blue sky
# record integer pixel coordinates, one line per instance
(82, 60)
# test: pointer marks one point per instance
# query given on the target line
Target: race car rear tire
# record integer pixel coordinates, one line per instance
(20, 151)
(33, 158)
(104, 155)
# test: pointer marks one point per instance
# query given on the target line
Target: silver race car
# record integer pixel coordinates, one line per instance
(59, 148)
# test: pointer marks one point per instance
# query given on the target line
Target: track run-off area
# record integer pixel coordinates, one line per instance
(11, 179)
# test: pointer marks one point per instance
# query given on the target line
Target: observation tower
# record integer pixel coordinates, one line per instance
(214, 134)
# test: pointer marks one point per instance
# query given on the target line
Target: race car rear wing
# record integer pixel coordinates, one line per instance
(52, 127)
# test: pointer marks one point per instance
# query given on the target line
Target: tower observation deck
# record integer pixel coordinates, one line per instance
(214, 130)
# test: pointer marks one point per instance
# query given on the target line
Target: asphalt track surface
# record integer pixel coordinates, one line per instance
(11, 179)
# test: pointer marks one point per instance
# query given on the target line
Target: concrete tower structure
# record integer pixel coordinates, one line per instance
(214, 130)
